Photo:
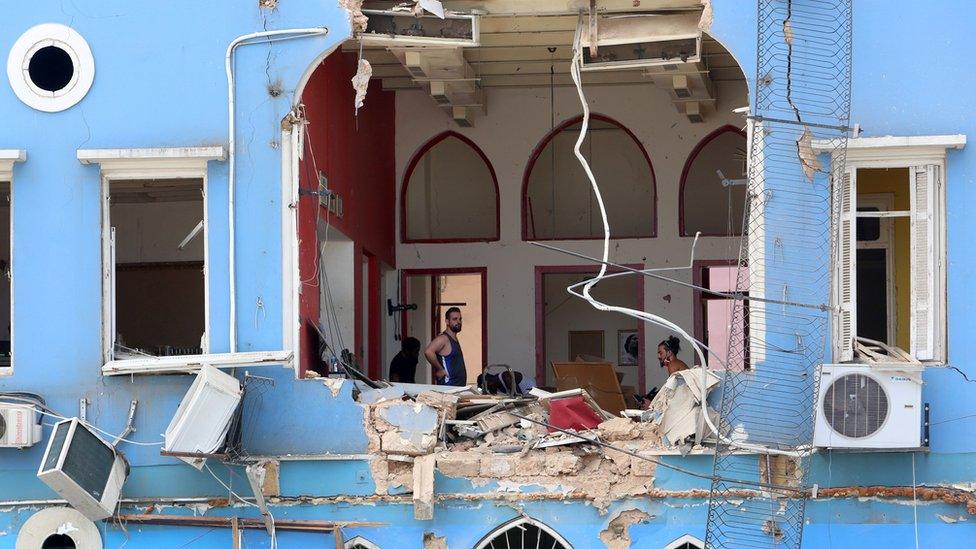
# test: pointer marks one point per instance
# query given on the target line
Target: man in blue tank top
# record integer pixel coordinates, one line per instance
(444, 353)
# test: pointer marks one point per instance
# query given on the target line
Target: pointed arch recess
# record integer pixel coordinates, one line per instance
(496, 533)
(537, 152)
(728, 128)
(408, 173)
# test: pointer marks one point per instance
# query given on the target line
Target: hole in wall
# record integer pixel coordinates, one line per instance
(51, 68)
(58, 541)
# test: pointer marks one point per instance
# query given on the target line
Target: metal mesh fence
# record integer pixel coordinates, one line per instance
(801, 106)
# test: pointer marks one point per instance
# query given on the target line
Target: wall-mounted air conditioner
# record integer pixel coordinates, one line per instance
(869, 407)
(635, 41)
(204, 416)
(19, 427)
(403, 28)
(83, 469)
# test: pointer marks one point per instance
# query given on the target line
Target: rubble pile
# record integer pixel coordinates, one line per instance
(513, 442)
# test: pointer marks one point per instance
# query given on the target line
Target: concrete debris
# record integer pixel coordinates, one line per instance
(360, 82)
(617, 533)
(356, 17)
(788, 32)
(268, 4)
(423, 487)
(434, 542)
(707, 16)
(334, 385)
(491, 439)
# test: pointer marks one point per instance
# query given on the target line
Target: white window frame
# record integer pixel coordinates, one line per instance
(685, 539)
(884, 202)
(8, 157)
(160, 163)
(919, 154)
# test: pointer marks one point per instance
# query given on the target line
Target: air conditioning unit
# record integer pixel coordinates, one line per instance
(19, 427)
(869, 407)
(83, 469)
(204, 416)
(403, 28)
(636, 41)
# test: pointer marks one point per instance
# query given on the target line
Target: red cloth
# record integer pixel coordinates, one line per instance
(572, 413)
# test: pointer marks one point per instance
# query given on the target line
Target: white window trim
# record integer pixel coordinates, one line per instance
(909, 152)
(292, 139)
(7, 159)
(485, 542)
(687, 538)
(885, 203)
(155, 163)
(362, 542)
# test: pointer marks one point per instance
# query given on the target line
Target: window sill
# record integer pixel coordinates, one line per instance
(187, 364)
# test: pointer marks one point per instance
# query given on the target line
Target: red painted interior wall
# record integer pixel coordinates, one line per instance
(356, 154)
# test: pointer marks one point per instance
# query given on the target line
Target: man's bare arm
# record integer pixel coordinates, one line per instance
(432, 352)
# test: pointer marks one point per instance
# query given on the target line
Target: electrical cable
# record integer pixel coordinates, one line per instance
(640, 315)
(106, 433)
(274, 537)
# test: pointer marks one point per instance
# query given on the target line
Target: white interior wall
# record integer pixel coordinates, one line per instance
(517, 119)
(451, 194)
(337, 257)
(565, 313)
(152, 232)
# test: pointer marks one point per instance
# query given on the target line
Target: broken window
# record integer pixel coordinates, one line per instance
(713, 185)
(156, 251)
(559, 202)
(891, 256)
(450, 193)
(523, 533)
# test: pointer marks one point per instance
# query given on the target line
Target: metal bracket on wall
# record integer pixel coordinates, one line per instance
(83, 409)
(128, 424)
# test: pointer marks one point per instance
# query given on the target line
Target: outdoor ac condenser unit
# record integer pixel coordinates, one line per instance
(203, 418)
(400, 28)
(83, 469)
(869, 407)
(19, 427)
(629, 41)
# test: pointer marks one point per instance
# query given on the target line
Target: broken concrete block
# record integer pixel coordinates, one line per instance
(496, 421)
(373, 396)
(442, 401)
(620, 462)
(498, 466)
(423, 487)
(563, 463)
(395, 442)
(400, 477)
(412, 428)
(619, 428)
(459, 464)
(531, 465)
(642, 467)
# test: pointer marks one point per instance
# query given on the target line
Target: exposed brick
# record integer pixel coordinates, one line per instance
(498, 466)
(563, 463)
(459, 464)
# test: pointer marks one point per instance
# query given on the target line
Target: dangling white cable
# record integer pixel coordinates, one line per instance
(640, 315)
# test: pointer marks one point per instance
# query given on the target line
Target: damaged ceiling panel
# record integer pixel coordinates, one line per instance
(529, 44)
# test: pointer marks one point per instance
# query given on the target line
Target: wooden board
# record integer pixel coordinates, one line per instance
(599, 379)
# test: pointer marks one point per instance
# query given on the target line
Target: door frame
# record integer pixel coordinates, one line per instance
(482, 270)
(540, 321)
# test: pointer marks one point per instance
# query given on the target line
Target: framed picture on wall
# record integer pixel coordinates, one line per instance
(627, 347)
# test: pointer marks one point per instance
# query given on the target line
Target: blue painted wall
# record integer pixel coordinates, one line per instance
(160, 83)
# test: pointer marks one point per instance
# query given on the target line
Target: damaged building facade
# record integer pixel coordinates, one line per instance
(216, 243)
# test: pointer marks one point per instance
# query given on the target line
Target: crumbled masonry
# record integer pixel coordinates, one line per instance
(501, 448)
(617, 533)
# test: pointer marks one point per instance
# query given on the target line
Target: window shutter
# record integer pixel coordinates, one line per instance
(923, 184)
(845, 328)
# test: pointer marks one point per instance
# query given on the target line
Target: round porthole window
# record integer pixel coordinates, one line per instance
(50, 67)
